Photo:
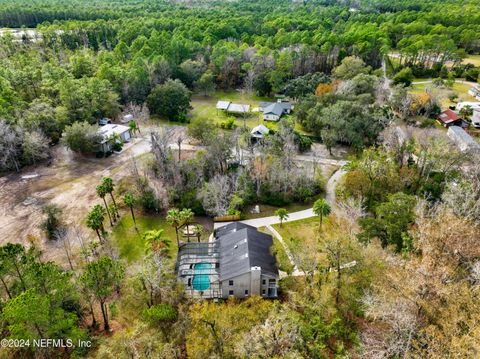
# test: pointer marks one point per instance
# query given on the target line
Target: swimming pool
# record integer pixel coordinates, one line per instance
(201, 278)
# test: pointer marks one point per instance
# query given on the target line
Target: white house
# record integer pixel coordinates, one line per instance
(474, 92)
(108, 132)
(472, 105)
(259, 131)
(273, 111)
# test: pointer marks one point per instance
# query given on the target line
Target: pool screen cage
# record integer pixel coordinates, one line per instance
(197, 268)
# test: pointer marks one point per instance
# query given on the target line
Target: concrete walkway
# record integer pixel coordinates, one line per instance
(296, 272)
(266, 221)
(332, 186)
(295, 216)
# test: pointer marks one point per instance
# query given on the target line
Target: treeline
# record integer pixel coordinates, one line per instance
(81, 70)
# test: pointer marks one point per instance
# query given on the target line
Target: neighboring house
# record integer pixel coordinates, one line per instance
(260, 131)
(463, 140)
(234, 108)
(476, 118)
(475, 92)
(472, 105)
(127, 118)
(450, 118)
(110, 131)
(237, 263)
(273, 111)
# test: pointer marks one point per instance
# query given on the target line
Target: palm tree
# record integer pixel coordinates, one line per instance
(156, 242)
(129, 201)
(198, 229)
(282, 215)
(102, 192)
(187, 216)
(109, 186)
(95, 220)
(175, 219)
(322, 209)
(133, 126)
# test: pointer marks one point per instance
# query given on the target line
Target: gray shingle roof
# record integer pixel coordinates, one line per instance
(245, 248)
(277, 108)
(231, 227)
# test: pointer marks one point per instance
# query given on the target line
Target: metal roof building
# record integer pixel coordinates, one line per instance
(462, 139)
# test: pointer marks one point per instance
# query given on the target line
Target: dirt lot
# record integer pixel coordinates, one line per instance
(68, 182)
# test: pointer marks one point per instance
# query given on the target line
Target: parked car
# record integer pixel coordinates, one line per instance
(104, 121)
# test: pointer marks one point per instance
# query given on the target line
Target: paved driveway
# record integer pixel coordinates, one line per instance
(295, 216)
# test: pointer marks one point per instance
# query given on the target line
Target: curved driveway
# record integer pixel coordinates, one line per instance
(295, 216)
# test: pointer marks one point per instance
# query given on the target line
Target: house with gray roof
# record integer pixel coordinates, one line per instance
(237, 263)
(259, 131)
(273, 111)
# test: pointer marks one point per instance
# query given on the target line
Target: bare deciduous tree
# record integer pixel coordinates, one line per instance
(215, 195)
(10, 146)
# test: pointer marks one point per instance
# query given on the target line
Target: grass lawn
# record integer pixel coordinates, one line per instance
(472, 59)
(268, 210)
(293, 233)
(204, 106)
(279, 252)
(129, 242)
(459, 88)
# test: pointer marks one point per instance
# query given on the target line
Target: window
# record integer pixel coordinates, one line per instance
(230, 282)
(189, 282)
(263, 291)
(230, 292)
(264, 282)
(246, 291)
(271, 281)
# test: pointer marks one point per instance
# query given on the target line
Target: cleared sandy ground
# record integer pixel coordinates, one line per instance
(69, 182)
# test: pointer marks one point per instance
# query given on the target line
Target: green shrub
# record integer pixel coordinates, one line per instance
(160, 314)
(117, 146)
(228, 124)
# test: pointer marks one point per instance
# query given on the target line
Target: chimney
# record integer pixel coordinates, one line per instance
(255, 280)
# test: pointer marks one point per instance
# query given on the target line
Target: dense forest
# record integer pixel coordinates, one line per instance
(404, 211)
(115, 53)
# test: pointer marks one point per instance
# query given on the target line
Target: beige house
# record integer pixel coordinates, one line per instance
(237, 263)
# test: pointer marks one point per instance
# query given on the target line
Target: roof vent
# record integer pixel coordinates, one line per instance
(235, 246)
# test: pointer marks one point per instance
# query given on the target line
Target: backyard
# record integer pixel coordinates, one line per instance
(130, 243)
(472, 59)
(296, 232)
(205, 107)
